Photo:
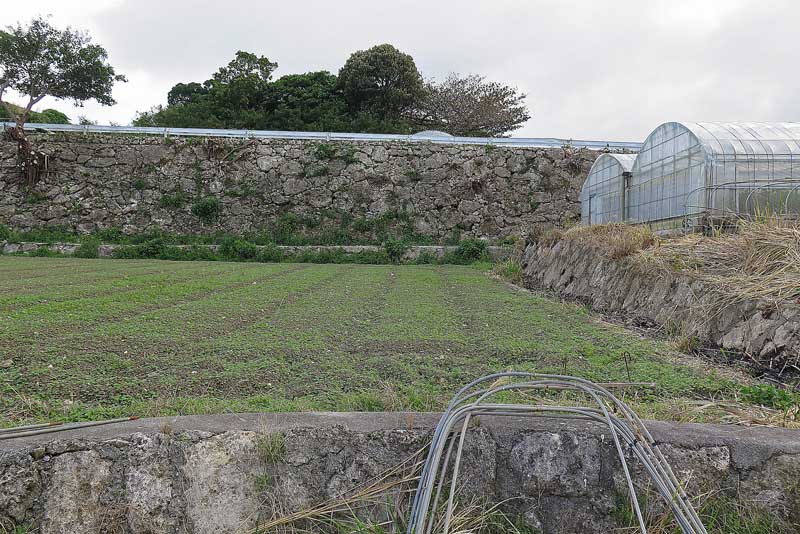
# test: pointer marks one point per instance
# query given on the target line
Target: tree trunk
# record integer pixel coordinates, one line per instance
(29, 162)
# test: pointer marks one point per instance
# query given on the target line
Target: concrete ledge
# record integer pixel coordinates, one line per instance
(201, 473)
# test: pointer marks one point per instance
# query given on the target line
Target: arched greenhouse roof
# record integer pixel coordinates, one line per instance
(625, 161)
(727, 139)
(607, 166)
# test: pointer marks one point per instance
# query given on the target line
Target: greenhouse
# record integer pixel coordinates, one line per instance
(690, 174)
(603, 193)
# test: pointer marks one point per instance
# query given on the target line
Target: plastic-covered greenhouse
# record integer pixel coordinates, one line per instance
(603, 194)
(689, 173)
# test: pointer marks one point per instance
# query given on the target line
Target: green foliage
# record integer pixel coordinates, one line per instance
(44, 252)
(88, 249)
(770, 396)
(509, 269)
(39, 60)
(207, 209)
(242, 95)
(723, 515)
(34, 197)
(425, 258)
(318, 170)
(381, 80)
(233, 249)
(140, 184)
(395, 248)
(324, 151)
(468, 251)
(47, 116)
(271, 447)
(269, 253)
(348, 155)
(5, 232)
(174, 200)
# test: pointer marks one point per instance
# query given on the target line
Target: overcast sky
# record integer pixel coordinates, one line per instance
(593, 69)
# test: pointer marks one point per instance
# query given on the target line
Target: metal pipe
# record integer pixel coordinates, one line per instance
(58, 427)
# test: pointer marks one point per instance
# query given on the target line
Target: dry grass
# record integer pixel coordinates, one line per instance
(615, 240)
(760, 260)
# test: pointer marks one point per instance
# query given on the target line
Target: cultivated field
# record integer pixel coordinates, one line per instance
(92, 339)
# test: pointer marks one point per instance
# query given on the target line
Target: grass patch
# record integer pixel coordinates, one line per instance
(99, 339)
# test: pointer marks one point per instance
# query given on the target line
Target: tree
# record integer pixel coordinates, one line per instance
(470, 106)
(382, 81)
(234, 97)
(40, 60)
(306, 102)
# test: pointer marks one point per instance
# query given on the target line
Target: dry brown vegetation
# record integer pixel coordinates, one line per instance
(613, 240)
(757, 260)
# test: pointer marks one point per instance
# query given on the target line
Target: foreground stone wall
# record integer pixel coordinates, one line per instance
(767, 332)
(211, 474)
(140, 183)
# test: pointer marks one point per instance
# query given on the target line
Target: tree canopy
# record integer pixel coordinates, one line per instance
(471, 106)
(381, 80)
(39, 60)
(378, 90)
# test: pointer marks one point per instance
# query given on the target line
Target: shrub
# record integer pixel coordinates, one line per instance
(5, 232)
(238, 250)
(206, 209)
(395, 248)
(151, 249)
(425, 258)
(468, 251)
(88, 249)
(110, 235)
(139, 184)
(269, 253)
(193, 253)
(44, 252)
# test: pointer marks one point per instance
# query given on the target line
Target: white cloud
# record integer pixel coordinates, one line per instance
(610, 69)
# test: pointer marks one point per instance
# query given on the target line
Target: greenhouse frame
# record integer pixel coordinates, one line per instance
(690, 174)
(603, 194)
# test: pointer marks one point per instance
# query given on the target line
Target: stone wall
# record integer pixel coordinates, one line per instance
(94, 182)
(209, 474)
(765, 331)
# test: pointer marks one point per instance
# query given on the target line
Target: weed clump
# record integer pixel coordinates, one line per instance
(207, 209)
